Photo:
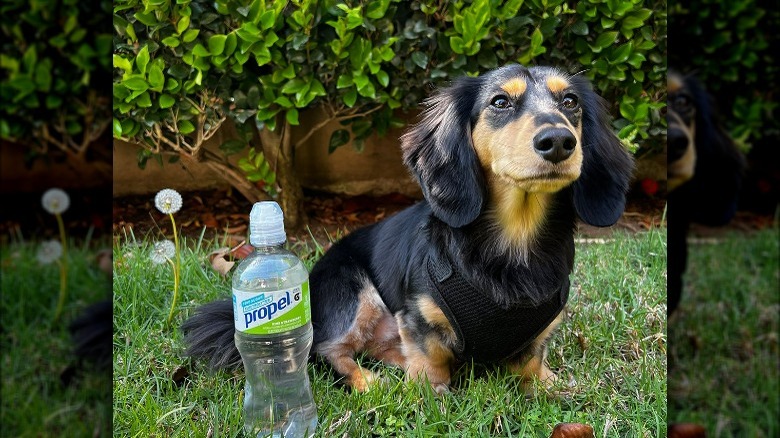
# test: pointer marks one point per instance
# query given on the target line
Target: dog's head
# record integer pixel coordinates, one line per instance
(704, 167)
(523, 130)
(681, 129)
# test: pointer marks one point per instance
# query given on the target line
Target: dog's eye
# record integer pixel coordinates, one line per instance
(500, 102)
(570, 101)
(681, 102)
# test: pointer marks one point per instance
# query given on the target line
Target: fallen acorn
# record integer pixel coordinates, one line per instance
(686, 430)
(572, 430)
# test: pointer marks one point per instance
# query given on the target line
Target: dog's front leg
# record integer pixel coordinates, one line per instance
(426, 339)
(532, 364)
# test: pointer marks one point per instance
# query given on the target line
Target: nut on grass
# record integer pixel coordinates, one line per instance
(572, 430)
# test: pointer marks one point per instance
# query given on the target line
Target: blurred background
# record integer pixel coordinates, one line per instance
(723, 339)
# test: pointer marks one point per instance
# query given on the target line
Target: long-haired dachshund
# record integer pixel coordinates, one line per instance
(704, 172)
(479, 270)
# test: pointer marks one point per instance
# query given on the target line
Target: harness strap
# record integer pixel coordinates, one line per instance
(486, 331)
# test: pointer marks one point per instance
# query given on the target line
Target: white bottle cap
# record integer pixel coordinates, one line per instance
(266, 224)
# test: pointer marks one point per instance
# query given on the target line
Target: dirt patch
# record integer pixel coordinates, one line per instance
(225, 216)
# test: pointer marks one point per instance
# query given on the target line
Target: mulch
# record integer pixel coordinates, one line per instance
(223, 216)
(329, 216)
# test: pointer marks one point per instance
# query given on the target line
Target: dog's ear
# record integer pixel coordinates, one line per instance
(600, 191)
(439, 152)
(717, 176)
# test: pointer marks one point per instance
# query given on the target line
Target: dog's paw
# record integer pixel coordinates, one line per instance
(363, 380)
(440, 388)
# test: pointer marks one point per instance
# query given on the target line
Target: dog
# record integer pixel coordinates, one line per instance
(704, 172)
(478, 270)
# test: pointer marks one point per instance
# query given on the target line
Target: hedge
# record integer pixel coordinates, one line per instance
(731, 46)
(56, 68)
(189, 65)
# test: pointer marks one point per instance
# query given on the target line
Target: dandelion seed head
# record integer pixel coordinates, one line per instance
(49, 252)
(168, 201)
(55, 201)
(162, 252)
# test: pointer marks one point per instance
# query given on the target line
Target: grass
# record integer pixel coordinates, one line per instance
(723, 354)
(37, 350)
(611, 347)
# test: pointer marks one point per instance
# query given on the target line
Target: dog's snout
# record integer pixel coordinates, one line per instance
(677, 143)
(555, 144)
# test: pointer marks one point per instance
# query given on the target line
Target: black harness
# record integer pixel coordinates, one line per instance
(487, 331)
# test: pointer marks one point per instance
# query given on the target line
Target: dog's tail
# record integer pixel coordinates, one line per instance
(209, 336)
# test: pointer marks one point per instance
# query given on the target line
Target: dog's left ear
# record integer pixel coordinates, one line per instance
(600, 191)
(439, 152)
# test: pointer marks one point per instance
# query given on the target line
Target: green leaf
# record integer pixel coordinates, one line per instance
(383, 78)
(216, 44)
(456, 44)
(620, 54)
(117, 127)
(190, 35)
(179, 71)
(338, 138)
(231, 41)
(186, 127)
(142, 59)
(344, 81)
(293, 86)
(605, 39)
(171, 41)
(43, 75)
(292, 116)
(316, 88)
(53, 101)
(376, 9)
(156, 78)
(579, 28)
(350, 97)
(123, 63)
(166, 101)
(144, 100)
(420, 59)
(183, 24)
(200, 50)
(283, 101)
(146, 18)
(267, 19)
(136, 84)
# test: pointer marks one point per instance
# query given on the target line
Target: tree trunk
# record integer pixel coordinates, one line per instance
(279, 152)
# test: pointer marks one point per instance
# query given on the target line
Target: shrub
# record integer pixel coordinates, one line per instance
(184, 68)
(55, 57)
(730, 46)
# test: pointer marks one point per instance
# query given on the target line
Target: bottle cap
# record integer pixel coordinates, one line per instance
(266, 224)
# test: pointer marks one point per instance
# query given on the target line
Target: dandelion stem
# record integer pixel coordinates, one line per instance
(63, 262)
(176, 269)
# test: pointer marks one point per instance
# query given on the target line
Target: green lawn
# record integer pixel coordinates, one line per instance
(35, 350)
(723, 354)
(611, 347)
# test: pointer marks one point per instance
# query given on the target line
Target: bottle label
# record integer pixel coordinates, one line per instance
(268, 313)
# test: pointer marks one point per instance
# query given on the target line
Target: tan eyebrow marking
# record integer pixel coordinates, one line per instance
(557, 84)
(515, 87)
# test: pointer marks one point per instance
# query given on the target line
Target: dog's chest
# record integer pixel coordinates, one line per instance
(487, 331)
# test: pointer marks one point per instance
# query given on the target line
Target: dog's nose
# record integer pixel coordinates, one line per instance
(677, 142)
(555, 144)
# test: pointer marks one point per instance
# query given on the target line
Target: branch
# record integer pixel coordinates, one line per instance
(334, 118)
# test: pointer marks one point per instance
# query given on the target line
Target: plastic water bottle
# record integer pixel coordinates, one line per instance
(272, 315)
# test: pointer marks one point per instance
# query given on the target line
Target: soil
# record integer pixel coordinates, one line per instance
(225, 216)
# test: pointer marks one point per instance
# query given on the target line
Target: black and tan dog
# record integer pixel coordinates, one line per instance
(479, 270)
(704, 172)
